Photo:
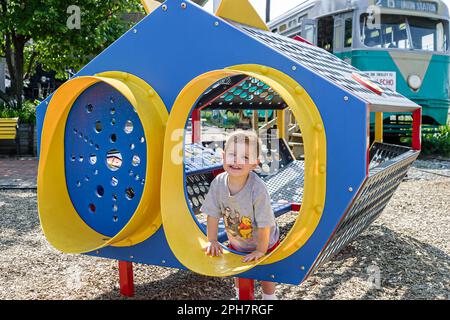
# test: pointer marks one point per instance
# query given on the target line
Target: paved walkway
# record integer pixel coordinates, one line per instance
(18, 173)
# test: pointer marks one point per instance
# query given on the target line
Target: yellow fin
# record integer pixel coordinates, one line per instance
(150, 5)
(241, 11)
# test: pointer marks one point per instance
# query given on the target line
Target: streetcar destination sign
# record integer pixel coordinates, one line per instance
(425, 6)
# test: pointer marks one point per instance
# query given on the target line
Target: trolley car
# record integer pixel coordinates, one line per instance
(403, 44)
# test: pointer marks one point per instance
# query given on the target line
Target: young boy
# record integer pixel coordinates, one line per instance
(241, 198)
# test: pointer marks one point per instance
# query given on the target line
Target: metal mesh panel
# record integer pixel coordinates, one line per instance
(287, 185)
(373, 197)
(382, 152)
(328, 66)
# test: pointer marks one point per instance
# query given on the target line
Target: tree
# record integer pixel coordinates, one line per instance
(47, 32)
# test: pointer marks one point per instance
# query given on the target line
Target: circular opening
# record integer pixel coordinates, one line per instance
(93, 159)
(136, 161)
(113, 138)
(114, 182)
(89, 108)
(142, 139)
(114, 197)
(129, 193)
(92, 208)
(132, 146)
(115, 208)
(243, 102)
(114, 160)
(112, 111)
(115, 218)
(80, 158)
(100, 191)
(113, 121)
(128, 127)
(98, 127)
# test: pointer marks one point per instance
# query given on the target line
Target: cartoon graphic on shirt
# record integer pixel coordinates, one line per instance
(245, 228)
(231, 220)
(227, 218)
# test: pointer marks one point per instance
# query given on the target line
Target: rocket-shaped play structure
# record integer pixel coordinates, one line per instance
(123, 169)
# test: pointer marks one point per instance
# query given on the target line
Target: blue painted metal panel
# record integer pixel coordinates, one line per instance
(170, 48)
(105, 158)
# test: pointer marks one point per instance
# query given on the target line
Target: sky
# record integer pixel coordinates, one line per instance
(278, 6)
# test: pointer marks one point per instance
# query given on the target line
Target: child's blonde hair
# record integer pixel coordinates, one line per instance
(250, 138)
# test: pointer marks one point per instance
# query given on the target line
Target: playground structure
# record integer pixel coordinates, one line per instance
(119, 179)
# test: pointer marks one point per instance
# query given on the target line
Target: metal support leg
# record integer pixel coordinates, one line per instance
(126, 279)
(417, 130)
(246, 289)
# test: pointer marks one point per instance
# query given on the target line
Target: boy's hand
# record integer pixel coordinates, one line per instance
(213, 248)
(254, 256)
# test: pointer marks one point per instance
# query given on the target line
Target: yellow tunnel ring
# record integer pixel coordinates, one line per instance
(61, 223)
(176, 216)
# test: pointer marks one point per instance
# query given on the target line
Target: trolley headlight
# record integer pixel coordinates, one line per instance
(414, 82)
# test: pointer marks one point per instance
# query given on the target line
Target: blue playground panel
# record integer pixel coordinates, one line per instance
(159, 56)
(95, 128)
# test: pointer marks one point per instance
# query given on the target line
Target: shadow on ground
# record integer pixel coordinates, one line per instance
(408, 268)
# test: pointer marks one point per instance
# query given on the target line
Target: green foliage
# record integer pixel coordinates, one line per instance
(36, 31)
(27, 114)
(437, 143)
(102, 22)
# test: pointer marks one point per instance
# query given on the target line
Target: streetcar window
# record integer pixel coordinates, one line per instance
(348, 33)
(325, 33)
(428, 34)
(390, 33)
(400, 32)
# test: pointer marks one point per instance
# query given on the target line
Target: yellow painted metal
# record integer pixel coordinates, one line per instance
(281, 124)
(61, 224)
(185, 238)
(241, 11)
(150, 5)
(379, 126)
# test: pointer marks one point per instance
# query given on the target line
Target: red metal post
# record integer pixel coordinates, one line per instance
(196, 126)
(417, 130)
(246, 289)
(126, 279)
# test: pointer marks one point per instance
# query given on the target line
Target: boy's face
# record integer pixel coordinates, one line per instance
(239, 159)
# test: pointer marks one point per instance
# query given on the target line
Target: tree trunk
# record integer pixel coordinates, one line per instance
(19, 46)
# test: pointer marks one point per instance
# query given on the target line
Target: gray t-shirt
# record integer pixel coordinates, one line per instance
(243, 213)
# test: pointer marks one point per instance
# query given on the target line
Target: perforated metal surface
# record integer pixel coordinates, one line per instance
(105, 158)
(370, 201)
(199, 159)
(328, 66)
(249, 93)
(382, 152)
(287, 185)
(275, 155)
(197, 187)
